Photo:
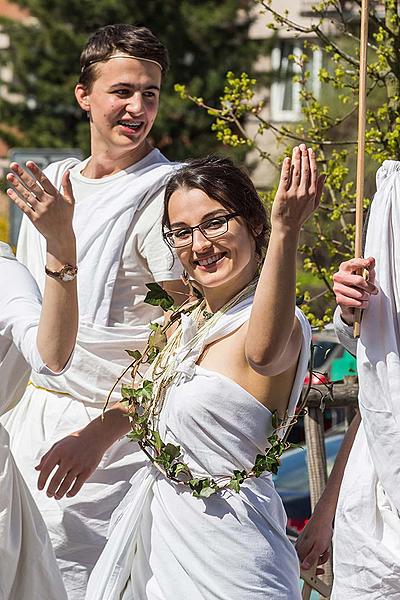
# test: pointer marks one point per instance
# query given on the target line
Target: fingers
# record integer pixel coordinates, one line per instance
(46, 466)
(313, 171)
(66, 484)
(22, 204)
(40, 177)
(21, 192)
(313, 557)
(305, 173)
(67, 188)
(56, 480)
(296, 167)
(30, 183)
(80, 480)
(357, 264)
(284, 182)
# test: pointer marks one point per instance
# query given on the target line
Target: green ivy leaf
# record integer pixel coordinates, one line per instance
(236, 480)
(156, 296)
(203, 488)
(134, 354)
(156, 440)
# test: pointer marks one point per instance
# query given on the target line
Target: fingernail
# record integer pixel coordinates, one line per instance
(306, 565)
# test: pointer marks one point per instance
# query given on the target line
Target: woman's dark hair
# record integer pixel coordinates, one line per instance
(229, 185)
(138, 42)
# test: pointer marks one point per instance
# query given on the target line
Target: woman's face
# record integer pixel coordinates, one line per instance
(229, 260)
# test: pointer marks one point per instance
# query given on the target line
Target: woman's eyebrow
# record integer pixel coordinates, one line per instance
(213, 213)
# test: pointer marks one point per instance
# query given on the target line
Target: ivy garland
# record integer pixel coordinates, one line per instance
(144, 402)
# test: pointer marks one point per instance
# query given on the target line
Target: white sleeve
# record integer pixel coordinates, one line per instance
(344, 332)
(20, 307)
(162, 262)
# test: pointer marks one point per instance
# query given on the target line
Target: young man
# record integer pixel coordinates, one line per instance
(43, 337)
(118, 192)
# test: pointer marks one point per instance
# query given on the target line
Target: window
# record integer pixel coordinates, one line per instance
(285, 93)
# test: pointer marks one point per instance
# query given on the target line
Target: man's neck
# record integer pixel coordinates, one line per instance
(104, 163)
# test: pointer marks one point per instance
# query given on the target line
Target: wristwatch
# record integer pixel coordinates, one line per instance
(66, 273)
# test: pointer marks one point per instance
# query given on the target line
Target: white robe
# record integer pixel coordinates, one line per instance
(78, 526)
(28, 568)
(166, 544)
(367, 524)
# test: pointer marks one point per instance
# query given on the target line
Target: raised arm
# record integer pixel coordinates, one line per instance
(273, 339)
(51, 213)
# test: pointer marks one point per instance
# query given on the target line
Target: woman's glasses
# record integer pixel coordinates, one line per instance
(212, 228)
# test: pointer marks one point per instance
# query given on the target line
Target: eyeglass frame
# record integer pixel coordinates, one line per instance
(227, 218)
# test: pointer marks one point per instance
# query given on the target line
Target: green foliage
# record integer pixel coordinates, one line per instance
(205, 40)
(328, 124)
(3, 229)
(157, 296)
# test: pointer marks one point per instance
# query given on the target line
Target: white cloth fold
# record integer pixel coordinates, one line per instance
(167, 545)
(28, 568)
(367, 530)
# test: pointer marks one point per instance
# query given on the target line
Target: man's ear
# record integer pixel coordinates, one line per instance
(82, 97)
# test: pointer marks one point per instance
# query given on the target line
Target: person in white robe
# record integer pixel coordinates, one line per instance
(237, 359)
(42, 339)
(118, 192)
(367, 525)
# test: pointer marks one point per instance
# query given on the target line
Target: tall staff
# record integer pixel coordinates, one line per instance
(362, 102)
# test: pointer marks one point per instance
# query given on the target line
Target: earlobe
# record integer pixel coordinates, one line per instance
(82, 97)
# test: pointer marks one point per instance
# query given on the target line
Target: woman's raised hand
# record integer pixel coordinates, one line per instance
(299, 190)
(49, 210)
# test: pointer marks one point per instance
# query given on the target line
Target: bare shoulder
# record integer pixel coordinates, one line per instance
(227, 357)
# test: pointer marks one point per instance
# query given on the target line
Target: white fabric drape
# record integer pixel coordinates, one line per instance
(367, 530)
(167, 545)
(28, 568)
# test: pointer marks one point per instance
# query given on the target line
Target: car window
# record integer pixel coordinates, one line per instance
(293, 473)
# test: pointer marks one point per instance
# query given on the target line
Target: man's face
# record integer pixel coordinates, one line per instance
(122, 104)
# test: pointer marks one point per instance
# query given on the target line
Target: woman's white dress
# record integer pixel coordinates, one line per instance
(166, 544)
(28, 568)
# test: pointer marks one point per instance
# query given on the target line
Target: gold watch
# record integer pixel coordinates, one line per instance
(66, 273)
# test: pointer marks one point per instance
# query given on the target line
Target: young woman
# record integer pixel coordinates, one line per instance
(41, 337)
(234, 364)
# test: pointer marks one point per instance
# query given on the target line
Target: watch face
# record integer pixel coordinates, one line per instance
(68, 273)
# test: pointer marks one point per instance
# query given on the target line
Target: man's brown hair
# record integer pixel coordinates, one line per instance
(138, 42)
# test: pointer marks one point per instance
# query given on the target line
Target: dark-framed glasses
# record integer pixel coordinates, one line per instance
(212, 228)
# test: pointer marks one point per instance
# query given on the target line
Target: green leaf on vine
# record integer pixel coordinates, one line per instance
(156, 296)
(134, 354)
(156, 440)
(237, 478)
(203, 488)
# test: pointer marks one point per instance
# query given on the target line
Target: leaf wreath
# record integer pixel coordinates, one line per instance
(142, 405)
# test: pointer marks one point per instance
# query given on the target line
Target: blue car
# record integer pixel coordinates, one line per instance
(292, 484)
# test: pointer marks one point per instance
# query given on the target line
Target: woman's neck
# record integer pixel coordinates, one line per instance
(216, 298)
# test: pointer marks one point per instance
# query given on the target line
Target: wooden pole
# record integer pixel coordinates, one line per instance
(317, 474)
(362, 108)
